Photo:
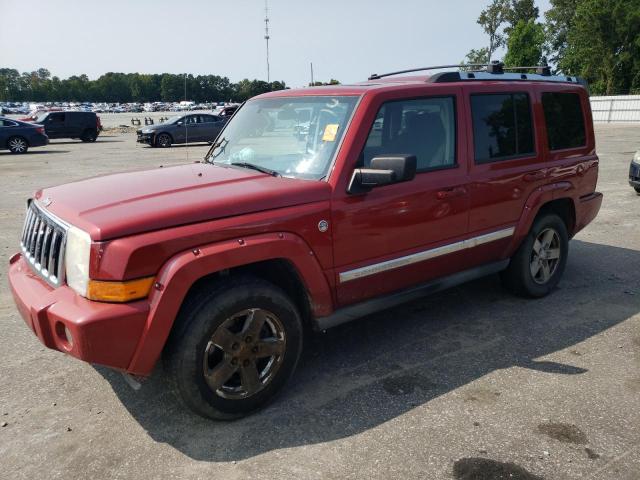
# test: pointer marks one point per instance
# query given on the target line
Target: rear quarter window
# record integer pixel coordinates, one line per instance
(565, 120)
(502, 126)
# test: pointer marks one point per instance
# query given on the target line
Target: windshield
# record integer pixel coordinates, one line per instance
(293, 137)
(174, 119)
(41, 117)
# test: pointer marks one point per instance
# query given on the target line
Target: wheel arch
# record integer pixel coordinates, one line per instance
(555, 198)
(18, 136)
(283, 259)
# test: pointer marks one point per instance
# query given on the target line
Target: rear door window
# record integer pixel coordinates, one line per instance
(564, 119)
(502, 126)
(423, 127)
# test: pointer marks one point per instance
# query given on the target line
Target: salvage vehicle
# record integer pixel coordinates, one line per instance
(85, 126)
(193, 128)
(634, 172)
(17, 136)
(401, 186)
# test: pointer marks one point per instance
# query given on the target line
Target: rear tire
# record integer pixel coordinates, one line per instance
(538, 265)
(637, 189)
(163, 140)
(233, 348)
(18, 145)
(89, 135)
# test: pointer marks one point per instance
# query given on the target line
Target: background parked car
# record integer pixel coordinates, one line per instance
(634, 172)
(17, 136)
(196, 127)
(83, 125)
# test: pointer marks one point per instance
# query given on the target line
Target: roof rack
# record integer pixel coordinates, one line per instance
(488, 71)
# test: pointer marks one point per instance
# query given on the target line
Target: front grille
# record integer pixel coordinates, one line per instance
(43, 243)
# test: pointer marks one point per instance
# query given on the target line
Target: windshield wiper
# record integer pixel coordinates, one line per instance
(253, 166)
(220, 145)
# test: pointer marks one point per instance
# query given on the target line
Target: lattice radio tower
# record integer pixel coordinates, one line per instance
(266, 35)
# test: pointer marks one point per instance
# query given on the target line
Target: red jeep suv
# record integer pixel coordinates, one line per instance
(312, 208)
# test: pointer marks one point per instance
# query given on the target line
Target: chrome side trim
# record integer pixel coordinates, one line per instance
(425, 255)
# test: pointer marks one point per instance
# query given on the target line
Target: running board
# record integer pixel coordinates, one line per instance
(359, 310)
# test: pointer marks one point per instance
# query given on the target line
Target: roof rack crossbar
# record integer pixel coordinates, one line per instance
(375, 76)
(495, 67)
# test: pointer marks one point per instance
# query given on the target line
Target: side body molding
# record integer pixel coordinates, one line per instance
(180, 272)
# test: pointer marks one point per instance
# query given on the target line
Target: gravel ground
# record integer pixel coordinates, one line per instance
(472, 383)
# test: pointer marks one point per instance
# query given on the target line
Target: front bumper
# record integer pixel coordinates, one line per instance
(145, 138)
(101, 333)
(634, 175)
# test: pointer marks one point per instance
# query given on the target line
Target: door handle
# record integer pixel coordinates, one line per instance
(535, 176)
(451, 193)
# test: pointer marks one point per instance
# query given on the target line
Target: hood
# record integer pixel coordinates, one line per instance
(123, 204)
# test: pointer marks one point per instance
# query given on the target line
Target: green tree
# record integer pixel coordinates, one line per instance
(603, 45)
(559, 21)
(525, 44)
(520, 10)
(475, 57)
(491, 20)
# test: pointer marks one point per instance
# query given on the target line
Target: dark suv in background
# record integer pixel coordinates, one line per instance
(83, 125)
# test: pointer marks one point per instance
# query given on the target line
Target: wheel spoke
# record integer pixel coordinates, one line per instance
(254, 322)
(224, 338)
(270, 347)
(553, 253)
(546, 271)
(249, 378)
(548, 237)
(535, 268)
(537, 246)
(217, 377)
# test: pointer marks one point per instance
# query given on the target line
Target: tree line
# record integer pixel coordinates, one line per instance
(40, 86)
(595, 39)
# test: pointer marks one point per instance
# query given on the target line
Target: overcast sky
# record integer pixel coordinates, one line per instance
(345, 39)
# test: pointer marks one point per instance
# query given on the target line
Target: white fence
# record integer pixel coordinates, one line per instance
(618, 109)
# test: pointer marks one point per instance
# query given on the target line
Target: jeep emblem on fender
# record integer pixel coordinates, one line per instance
(323, 226)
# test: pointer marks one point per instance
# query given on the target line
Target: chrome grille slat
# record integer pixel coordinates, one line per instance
(43, 241)
(44, 255)
(34, 237)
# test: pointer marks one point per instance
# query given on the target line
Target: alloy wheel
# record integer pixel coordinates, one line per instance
(17, 145)
(545, 256)
(244, 354)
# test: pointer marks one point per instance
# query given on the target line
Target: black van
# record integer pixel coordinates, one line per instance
(83, 125)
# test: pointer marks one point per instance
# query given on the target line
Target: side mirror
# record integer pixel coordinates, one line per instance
(384, 170)
(180, 123)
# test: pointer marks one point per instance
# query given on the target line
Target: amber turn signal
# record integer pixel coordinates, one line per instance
(119, 291)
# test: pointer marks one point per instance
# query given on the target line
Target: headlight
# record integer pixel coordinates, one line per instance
(636, 157)
(76, 259)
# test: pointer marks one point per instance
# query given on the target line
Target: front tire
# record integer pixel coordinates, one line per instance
(637, 189)
(163, 140)
(538, 265)
(17, 145)
(234, 347)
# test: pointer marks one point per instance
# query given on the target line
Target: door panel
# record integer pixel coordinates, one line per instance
(502, 176)
(400, 235)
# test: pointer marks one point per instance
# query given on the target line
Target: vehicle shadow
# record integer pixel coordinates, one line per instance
(360, 375)
(79, 142)
(34, 152)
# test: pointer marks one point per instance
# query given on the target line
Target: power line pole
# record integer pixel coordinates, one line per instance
(266, 36)
(311, 74)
